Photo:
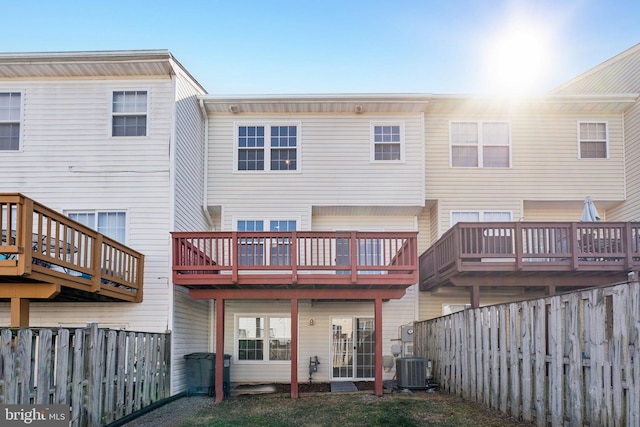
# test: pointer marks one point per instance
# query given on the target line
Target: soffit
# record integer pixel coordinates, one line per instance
(86, 64)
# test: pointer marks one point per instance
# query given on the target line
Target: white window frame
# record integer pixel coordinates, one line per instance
(267, 145)
(481, 214)
(606, 138)
(123, 114)
(96, 213)
(400, 143)
(265, 338)
(480, 144)
(20, 121)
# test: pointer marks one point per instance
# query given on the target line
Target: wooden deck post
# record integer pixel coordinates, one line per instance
(378, 348)
(294, 348)
(475, 296)
(20, 312)
(219, 385)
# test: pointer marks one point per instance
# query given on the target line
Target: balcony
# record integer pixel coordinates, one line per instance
(545, 254)
(46, 255)
(295, 260)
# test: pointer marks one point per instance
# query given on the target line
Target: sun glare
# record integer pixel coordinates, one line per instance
(518, 60)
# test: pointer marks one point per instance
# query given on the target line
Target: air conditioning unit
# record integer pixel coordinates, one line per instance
(411, 372)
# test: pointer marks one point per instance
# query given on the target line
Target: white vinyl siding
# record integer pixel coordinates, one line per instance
(70, 163)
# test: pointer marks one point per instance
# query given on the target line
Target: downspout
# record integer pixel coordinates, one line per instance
(205, 172)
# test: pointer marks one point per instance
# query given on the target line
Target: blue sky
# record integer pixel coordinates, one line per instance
(327, 46)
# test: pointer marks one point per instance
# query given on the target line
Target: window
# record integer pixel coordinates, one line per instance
(10, 121)
(129, 113)
(252, 249)
(253, 341)
(387, 141)
(480, 216)
(111, 224)
(267, 147)
(480, 144)
(593, 140)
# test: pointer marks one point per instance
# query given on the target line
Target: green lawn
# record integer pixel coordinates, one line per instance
(338, 409)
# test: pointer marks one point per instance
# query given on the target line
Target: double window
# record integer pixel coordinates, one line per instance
(129, 113)
(10, 116)
(480, 144)
(263, 338)
(387, 141)
(110, 223)
(267, 147)
(254, 251)
(593, 140)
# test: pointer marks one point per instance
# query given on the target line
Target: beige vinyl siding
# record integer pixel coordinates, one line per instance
(314, 340)
(616, 75)
(630, 211)
(335, 166)
(69, 161)
(545, 165)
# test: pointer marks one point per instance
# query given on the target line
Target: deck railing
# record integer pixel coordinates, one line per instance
(294, 257)
(42, 244)
(563, 246)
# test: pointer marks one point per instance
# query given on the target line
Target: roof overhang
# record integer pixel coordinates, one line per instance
(317, 103)
(91, 64)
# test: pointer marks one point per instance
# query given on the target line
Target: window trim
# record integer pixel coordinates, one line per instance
(480, 212)
(20, 120)
(372, 126)
(267, 148)
(265, 338)
(480, 145)
(113, 114)
(580, 140)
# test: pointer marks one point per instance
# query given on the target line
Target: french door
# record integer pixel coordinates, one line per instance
(352, 348)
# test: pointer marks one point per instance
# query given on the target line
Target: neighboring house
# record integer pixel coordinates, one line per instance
(296, 221)
(113, 140)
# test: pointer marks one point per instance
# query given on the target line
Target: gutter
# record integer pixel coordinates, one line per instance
(205, 172)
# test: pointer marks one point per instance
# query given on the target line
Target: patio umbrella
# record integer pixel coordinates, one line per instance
(589, 213)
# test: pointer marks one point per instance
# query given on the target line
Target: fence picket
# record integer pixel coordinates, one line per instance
(10, 382)
(494, 358)
(556, 365)
(514, 359)
(540, 362)
(44, 366)
(575, 382)
(525, 332)
(503, 394)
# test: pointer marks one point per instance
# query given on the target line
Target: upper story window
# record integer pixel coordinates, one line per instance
(129, 113)
(480, 144)
(387, 141)
(110, 223)
(255, 251)
(593, 140)
(267, 147)
(10, 115)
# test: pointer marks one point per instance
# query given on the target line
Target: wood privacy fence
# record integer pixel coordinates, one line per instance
(102, 374)
(571, 359)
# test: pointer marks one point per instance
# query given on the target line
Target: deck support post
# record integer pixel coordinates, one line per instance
(475, 296)
(378, 347)
(20, 312)
(294, 348)
(551, 290)
(219, 385)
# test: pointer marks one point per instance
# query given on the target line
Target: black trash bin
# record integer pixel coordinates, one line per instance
(201, 374)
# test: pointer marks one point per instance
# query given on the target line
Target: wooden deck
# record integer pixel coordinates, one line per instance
(46, 255)
(295, 260)
(543, 254)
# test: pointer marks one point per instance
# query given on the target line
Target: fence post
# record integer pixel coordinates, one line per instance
(94, 391)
